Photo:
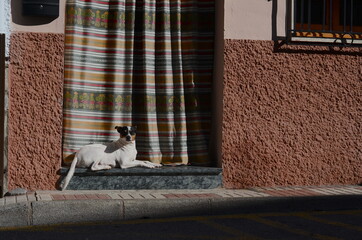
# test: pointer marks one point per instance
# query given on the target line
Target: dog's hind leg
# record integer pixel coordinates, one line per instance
(96, 166)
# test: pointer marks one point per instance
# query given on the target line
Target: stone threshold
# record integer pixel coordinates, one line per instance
(167, 177)
(163, 171)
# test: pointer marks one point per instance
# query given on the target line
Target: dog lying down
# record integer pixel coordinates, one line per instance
(121, 153)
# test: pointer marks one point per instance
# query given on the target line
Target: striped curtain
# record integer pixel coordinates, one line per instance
(146, 63)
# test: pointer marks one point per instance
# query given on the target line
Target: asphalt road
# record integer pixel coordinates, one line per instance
(323, 225)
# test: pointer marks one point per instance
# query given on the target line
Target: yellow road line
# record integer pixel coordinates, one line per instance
(239, 234)
(343, 212)
(290, 229)
(278, 214)
(325, 221)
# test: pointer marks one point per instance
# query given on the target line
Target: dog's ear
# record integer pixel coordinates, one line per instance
(118, 129)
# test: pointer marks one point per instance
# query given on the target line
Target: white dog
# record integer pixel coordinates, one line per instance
(120, 153)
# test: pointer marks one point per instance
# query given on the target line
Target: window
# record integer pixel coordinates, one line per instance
(326, 21)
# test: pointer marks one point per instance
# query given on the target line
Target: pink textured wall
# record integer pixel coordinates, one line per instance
(35, 109)
(291, 118)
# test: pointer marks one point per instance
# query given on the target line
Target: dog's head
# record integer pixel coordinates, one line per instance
(127, 132)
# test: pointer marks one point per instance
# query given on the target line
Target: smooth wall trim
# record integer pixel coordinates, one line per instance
(217, 95)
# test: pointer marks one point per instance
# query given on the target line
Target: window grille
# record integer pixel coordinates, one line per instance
(326, 22)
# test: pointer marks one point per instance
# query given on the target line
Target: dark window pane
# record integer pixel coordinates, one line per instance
(309, 10)
(356, 12)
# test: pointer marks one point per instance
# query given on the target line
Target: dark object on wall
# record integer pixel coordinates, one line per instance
(3, 159)
(40, 8)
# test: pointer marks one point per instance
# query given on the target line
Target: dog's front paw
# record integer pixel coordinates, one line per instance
(157, 165)
(150, 165)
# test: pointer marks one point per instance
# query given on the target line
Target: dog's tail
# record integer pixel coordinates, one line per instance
(70, 174)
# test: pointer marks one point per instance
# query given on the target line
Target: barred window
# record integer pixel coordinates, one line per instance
(327, 21)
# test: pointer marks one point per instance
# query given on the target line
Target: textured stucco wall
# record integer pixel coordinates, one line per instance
(291, 118)
(35, 109)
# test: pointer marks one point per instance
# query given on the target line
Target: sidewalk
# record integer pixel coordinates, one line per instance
(55, 207)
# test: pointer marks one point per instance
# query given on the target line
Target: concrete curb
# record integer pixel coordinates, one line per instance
(75, 211)
(16, 215)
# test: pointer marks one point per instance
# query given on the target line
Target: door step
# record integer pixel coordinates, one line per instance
(180, 177)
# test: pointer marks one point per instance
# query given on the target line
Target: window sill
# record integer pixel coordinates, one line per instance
(325, 38)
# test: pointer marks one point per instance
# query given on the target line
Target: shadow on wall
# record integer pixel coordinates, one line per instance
(33, 14)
